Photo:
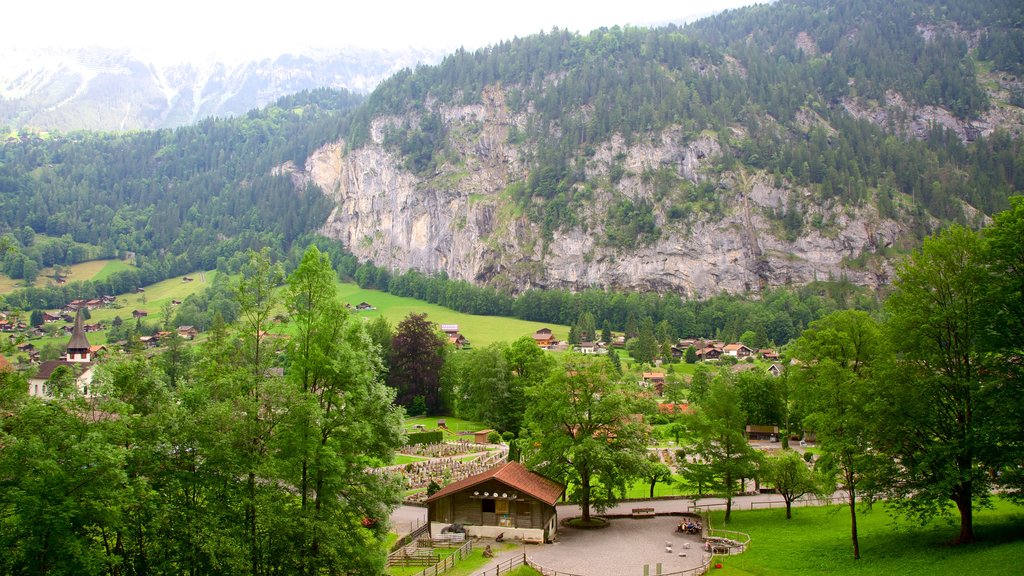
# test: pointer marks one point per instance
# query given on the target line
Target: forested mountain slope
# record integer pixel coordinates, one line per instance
(179, 199)
(765, 146)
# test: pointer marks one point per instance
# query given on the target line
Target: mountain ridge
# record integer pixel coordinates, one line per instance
(538, 163)
(122, 89)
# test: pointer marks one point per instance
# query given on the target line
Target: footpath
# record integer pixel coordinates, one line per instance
(670, 505)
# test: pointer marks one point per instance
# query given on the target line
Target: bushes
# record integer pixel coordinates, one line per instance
(425, 438)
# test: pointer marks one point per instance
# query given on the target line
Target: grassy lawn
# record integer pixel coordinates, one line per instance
(110, 267)
(479, 330)
(476, 560)
(817, 541)
(678, 487)
(454, 425)
(523, 571)
(406, 459)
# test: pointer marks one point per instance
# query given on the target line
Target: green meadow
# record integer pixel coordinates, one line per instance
(479, 330)
(151, 301)
(91, 270)
(817, 541)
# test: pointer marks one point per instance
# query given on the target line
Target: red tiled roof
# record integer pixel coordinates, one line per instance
(514, 475)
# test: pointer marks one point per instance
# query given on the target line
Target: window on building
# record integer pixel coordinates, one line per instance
(488, 505)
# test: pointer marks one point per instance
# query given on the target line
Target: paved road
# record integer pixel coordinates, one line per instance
(405, 519)
(666, 505)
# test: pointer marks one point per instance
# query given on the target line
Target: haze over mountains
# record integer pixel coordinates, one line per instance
(122, 89)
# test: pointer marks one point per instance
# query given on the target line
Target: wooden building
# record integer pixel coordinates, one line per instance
(79, 357)
(507, 499)
(543, 337)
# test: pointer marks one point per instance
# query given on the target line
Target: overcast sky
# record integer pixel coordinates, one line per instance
(254, 28)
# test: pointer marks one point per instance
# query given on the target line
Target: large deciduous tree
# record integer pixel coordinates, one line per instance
(936, 427)
(937, 316)
(581, 428)
(417, 355)
(790, 476)
(834, 387)
(340, 420)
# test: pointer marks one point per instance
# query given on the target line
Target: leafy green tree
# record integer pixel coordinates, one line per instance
(644, 349)
(936, 428)
(482, 380)
(842, 360)
(717, 437)
(580, 429)
(691, 355)
(256, 292)
(381, 333)
(654, 471)
(416, 361)
(65, 488)
(616, 362)
(700, 383)
(36, 318)
(790, 476)
(340, 420)
(761, 397)
(586, 327)
(1002, 341)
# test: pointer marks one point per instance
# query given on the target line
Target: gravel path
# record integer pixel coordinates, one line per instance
(621, 549)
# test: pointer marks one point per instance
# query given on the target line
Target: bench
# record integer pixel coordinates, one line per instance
(643, 512)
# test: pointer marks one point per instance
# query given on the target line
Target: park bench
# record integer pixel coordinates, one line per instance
(643, 512)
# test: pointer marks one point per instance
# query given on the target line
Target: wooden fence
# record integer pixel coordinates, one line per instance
(447, 564)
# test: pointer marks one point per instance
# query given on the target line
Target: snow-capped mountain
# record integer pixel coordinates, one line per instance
(119, 89)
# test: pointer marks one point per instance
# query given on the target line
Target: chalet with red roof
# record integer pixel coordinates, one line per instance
(709, 353)
(655, 381)
(507, 499)
(543, 337)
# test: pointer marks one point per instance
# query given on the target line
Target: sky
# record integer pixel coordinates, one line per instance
(185, 29)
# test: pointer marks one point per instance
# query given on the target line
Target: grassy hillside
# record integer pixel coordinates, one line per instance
(91, 270)
(154, 297)
(479, 330)
(152, 301)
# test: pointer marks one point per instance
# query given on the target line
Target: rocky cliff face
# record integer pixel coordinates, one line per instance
(461, 221)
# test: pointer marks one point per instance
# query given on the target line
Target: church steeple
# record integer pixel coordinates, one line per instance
(78, 346)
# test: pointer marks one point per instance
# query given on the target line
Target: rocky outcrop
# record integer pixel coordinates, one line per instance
(460, 220)
(917, 121)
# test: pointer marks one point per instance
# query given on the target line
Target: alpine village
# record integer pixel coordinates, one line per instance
(742, 296)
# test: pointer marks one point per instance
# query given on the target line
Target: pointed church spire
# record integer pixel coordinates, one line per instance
(78, 346)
